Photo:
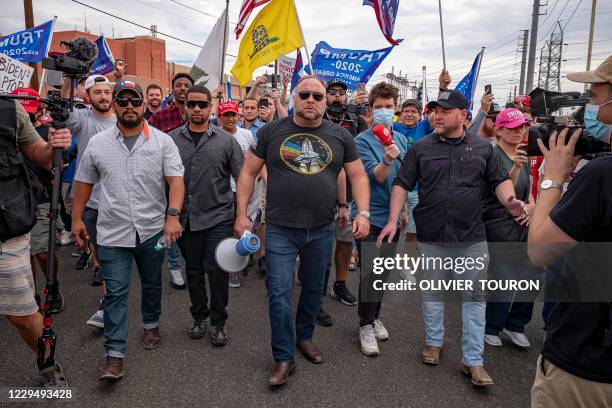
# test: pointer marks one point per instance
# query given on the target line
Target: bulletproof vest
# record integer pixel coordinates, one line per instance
(17, 191)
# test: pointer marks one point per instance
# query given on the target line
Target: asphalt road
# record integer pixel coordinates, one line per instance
(192, 373)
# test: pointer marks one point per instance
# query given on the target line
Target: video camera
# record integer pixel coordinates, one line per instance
(543, 104)
(77, 61)
(337, 109)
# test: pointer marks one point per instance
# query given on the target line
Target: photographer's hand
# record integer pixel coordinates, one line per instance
(560, 155)
(360, 99)
(60, 138)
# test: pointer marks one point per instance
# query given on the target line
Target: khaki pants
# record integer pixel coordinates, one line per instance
(556, 388)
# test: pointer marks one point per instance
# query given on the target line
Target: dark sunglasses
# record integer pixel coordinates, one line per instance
(333, 92)
(199, 104)
(123, 102)
(318, 96)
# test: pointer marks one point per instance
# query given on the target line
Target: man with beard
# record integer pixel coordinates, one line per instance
(211, 156)
(131, 163)
(84, 124)
(154, 99)
(304, 155)
(174, 115)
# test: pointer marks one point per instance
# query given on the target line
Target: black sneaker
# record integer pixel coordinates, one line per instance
(197, 329)
(324, 319)
(97, 277)
(83, 261)
(340, 292)
(218, 336)
(57, 303)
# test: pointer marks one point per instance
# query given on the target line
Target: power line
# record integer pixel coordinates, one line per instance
(141, 26)
(573, 12)
(199, 11)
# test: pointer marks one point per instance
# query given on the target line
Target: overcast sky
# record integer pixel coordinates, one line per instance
(468, 26)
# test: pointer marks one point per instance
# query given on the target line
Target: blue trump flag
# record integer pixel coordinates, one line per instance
(467, 86)
(386, 12)
(105, 62)
(28, 45)
(349, 66)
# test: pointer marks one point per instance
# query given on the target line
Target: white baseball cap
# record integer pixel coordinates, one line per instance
(95, 80)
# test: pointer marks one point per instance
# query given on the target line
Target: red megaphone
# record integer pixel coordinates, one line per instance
(383, 135)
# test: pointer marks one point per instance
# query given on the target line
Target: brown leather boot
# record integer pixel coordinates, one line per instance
(477, 374)
(431, 355)
(310, 351)
(113, 370)
(281, 372)
(151, 338)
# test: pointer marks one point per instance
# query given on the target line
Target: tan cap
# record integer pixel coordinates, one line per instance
(600, 75)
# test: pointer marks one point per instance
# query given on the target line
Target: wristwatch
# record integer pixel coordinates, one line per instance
(548, 184)
(173, 212)
(365, 213)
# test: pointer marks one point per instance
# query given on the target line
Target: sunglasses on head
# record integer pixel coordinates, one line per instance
(123, 102)
(318, 96)
(333, 92)
(199, 104)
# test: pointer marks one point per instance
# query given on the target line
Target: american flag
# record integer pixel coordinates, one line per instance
(298, 72)
(245, 12)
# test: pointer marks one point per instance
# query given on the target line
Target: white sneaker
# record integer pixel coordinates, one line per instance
(66, 238)
(380, 332)
(492, 340)
(519, 339)
(177, 279)
(97, 319)
(369, 346)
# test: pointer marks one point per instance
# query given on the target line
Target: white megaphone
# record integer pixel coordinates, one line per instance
(232, 255)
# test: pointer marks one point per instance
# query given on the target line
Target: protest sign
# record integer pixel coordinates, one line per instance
(13, 74)
(285, 66)
(349, 66)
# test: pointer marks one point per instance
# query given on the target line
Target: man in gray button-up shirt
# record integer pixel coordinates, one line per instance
(210, 156)
(131, 163)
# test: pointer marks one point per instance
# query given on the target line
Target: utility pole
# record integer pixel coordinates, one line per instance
(523, 62)
(591, 30)
(533, 43)
(29, 23)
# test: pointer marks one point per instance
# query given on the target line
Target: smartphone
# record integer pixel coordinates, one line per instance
(523, 148)
(488, 89)
(361, 87)
(263, 103)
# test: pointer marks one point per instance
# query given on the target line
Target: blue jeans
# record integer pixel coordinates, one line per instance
(314, 246)
(116, 267)
(472, 311)
(174, 257)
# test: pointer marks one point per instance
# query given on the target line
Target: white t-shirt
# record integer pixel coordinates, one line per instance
(579, 166)
(245, 139)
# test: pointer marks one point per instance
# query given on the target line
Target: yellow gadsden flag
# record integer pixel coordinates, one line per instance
(275, 31)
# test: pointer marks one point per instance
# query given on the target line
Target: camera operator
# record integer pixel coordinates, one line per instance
(337, 100)
(18, 137)
(575, 367)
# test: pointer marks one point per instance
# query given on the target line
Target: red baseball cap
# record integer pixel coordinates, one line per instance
(30, 105)
(510, 118)
(524, 99)
(228, 106)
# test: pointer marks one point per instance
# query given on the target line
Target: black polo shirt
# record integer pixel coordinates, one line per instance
(209, 163)
(453, 176)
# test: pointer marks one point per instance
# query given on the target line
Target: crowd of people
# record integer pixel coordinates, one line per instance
(142, 182)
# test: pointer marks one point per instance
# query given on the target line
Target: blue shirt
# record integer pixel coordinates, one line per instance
(372, 152)
(254, 126)
(414, 133)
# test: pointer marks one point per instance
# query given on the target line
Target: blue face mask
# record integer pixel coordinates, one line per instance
(383, 116)
(595, 127)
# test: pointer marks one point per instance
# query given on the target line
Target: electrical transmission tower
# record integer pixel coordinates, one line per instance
(407, 89)
(551, 55)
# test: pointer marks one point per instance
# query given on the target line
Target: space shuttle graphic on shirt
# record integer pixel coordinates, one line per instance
(308, 159)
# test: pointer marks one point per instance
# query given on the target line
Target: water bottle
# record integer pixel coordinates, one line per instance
(161, 244)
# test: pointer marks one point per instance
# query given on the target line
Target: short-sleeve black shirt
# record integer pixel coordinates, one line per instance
(575, 340)
(303, 166)
(453, 177)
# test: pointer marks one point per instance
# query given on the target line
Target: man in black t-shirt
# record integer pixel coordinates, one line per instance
(303, 155)
(575, 368)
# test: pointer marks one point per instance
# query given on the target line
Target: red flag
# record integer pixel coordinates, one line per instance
(245, 12)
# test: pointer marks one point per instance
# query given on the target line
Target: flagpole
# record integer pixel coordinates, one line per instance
(303, 38)
(425, 95)
(44, 71)
(442, 34)
(225, 29)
